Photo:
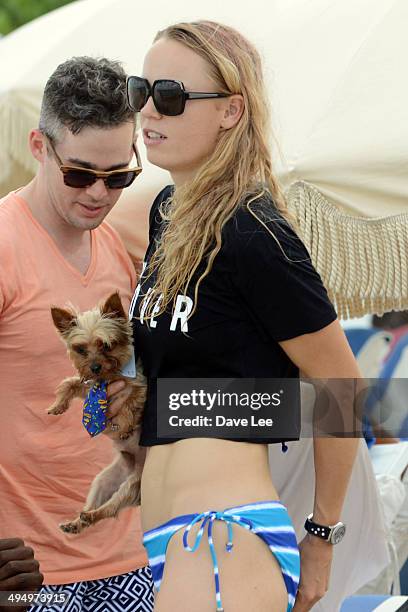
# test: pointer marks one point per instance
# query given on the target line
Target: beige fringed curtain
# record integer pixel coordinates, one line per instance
(363, 262)
(19, 113)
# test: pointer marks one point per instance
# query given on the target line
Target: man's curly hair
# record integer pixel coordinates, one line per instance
(84, 92)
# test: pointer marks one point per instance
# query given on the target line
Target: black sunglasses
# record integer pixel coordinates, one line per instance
(75, 176)
(169, 96)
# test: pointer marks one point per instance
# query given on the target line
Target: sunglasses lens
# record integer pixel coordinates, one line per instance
(137, 93)
(121, 179)
(168, 98)
(78, 178)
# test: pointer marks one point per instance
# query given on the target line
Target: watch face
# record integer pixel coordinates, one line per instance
(338, 534)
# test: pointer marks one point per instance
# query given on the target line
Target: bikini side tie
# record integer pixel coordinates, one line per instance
(208, 518)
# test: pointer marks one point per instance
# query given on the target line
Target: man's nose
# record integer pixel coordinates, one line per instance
(96, 368)
(97, 190)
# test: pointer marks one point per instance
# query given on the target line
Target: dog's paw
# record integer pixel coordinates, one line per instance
(75, 526)
(114, 426)
(57, 409)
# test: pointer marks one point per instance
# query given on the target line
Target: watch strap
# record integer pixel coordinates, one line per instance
(321, 531)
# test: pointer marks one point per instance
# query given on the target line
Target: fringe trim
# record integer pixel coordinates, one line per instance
(19, 113)
(363, 262)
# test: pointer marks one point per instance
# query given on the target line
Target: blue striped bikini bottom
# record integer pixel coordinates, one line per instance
(267, 519)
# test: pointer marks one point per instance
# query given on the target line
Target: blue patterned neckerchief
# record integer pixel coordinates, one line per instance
(95, 407)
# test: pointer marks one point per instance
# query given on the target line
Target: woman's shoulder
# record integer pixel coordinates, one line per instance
(258, 224)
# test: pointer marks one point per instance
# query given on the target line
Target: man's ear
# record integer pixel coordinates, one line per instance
(64, 320)
(113, 306)
(38, 145)
(234, 107)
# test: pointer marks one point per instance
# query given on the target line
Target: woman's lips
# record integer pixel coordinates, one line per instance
(153, 138)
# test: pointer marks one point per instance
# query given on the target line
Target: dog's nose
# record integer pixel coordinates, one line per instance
(96, 368)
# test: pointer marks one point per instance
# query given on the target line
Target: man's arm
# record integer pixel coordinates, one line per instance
(19, 570)
(324, 354)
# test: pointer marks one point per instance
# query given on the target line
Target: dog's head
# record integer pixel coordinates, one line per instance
(99, 341)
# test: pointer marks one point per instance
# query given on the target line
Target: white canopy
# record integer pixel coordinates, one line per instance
(339, 102)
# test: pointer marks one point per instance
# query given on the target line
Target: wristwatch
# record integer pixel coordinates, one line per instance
(330, 533)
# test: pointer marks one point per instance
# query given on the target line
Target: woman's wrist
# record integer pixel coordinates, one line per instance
(318, 543)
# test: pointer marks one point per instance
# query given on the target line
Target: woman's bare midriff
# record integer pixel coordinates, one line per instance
(200, 474)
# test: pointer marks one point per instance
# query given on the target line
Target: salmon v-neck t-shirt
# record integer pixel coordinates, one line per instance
(47, 463)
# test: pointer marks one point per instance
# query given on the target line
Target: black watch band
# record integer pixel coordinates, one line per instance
(321, 531)
(329, 533)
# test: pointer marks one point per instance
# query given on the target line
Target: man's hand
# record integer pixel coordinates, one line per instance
(315, 564)
(117, 396)
(19, 571)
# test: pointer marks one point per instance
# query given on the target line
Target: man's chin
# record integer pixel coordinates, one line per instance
(94, 224)
(88, 223)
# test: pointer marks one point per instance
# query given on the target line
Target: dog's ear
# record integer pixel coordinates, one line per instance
(64, 320)
(113, 306)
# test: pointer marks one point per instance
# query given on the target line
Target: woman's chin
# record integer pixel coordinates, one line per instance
(157, 159)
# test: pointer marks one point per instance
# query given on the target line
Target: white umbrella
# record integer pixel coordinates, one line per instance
(339, 104)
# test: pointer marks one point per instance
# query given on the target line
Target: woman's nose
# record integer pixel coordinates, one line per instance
(149, 109)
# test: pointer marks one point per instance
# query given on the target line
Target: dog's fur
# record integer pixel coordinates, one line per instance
(99, 343)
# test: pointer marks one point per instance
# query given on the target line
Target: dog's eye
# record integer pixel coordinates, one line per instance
(81, 350)
(106, 346)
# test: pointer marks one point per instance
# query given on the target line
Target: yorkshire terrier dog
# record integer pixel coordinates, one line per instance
(99, 343)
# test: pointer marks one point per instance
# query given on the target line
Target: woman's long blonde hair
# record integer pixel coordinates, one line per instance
(240, 166)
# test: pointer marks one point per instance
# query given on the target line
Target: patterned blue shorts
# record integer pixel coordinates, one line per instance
(269, 520)
(132, 592)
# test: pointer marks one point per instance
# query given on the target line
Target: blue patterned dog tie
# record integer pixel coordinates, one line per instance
(95, 407)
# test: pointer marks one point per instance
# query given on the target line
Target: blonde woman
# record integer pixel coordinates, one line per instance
(228, 291)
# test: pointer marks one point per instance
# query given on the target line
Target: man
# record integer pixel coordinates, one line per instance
(55, 248)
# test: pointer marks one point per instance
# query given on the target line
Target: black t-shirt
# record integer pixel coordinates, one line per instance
(252, 298)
